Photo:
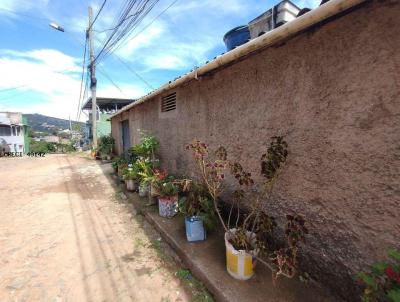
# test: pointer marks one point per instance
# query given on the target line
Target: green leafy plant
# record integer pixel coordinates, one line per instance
(147, 147)
(146, 170)
(106, 145)
(196, 201)
(131, 172)
(382, 282)
(117, 161)
(166, 187)
(42, 147)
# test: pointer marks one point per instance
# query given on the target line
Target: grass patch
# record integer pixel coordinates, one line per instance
(200, 293)
(139, 242)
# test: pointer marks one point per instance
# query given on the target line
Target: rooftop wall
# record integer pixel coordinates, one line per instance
(334, 92)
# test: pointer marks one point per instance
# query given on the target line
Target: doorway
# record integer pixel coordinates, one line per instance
(126, 141)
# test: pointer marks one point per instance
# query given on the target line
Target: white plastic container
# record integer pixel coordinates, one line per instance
(240, 264)
(130, 185)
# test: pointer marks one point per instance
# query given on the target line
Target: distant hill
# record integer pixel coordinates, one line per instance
(43, 123)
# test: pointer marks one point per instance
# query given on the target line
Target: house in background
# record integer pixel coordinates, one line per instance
(105, 108)
(14, 132)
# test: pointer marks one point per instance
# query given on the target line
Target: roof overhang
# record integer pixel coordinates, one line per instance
(107, 104)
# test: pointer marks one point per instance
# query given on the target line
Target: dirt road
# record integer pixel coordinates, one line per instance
(65, 235)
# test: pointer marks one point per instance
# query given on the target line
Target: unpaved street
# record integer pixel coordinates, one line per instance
(65, 235)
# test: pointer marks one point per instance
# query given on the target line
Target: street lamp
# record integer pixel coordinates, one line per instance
(56, 26)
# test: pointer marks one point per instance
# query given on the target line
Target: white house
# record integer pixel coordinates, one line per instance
(12, 131)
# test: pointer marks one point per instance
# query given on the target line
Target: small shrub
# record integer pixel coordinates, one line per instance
(382, 282)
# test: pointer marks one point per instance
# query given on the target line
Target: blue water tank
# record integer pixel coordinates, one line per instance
(237, 36)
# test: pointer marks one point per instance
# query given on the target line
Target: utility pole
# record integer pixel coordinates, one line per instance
(93, 80)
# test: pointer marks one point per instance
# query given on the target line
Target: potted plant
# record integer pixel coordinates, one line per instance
(131, 177)
(122, 164)
(197, 206)
(146, 174)
(248, 239)
(168, 195)
(116, 161)
(105, 147)
(157, 180)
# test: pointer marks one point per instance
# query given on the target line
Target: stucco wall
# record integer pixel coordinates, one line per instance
(334, 91)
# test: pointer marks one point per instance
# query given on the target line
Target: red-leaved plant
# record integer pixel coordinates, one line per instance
(212, 168)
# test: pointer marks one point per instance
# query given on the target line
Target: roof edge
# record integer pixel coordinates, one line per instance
(325, 11)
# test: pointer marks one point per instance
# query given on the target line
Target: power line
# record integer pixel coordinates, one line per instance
(148, 25)
(111, 81)
(131, 69)
(83, 73)
(97, 15)
(119, 59)
(122, 28)
(84, 94)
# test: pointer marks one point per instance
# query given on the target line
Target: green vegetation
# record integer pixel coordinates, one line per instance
(42, 147)
(199, 290)
(106, 145)
(382, 283)
(196, 201)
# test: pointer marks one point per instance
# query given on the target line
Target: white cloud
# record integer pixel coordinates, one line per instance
(41, 72)
(125, 91)
(144, 40)
(308, 3)
(218, 7)
(52, 75)
(14, 5)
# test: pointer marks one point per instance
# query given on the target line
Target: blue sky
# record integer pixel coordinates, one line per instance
(41, 67)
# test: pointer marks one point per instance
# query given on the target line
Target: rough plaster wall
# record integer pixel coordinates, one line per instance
(334, 91)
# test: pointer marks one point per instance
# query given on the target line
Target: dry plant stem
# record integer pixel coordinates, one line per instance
(255, 222)
(213, 191)
(238, 215)
(274, 273)
(230, 214)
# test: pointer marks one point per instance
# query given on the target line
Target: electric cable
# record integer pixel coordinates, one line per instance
(82, 76)
(97, 15)
(148, 25)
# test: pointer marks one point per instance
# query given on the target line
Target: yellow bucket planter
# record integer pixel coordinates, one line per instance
(240, 264)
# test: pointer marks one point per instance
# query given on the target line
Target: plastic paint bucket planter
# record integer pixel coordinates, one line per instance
(143, 189)
(168, 206)
(239, 264)
(130, 185)
(195, 229)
